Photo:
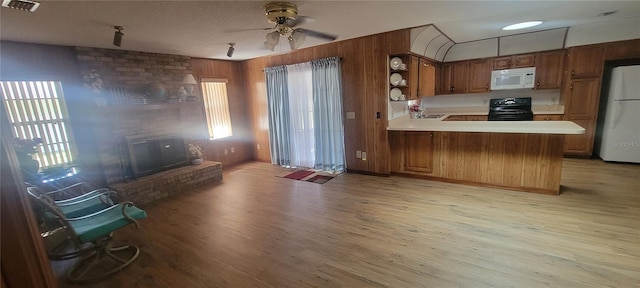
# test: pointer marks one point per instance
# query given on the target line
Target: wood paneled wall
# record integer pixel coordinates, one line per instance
(364, 81)
(241, 141)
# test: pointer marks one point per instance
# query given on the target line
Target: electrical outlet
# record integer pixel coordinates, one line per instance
(226, 152)
(358, 154)
(364, 156)
(233, 150)
(258, 146)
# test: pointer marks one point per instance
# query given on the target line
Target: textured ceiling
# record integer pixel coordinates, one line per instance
(203, 28)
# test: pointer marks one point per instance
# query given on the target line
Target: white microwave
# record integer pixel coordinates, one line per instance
(517, 78)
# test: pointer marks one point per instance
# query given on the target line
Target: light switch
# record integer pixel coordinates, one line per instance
(351, 115)
(358, 154)
(364, 156)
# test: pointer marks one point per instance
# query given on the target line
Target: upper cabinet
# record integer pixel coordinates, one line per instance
(413, 78)
(427, 77)
(514, 61)
(549, 67)
(623, 50)
(454, 77)
(585, 61)
(479, 76)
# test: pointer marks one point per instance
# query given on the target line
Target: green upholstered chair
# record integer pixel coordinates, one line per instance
(101, 258)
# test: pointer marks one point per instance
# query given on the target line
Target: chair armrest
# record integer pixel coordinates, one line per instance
(122, 206)
(86, 198)
(82, 197)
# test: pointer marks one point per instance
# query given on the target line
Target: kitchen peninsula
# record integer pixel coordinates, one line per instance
(518, 155)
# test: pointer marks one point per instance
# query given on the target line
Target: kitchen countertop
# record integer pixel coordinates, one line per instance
(405, 123)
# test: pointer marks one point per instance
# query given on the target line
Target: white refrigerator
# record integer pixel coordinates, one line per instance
(620, 126)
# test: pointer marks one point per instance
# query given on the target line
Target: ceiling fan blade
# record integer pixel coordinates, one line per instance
(299, 20)
(247, 29)
(317, 34)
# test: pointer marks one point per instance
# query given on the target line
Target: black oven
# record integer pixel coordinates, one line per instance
(510, 109)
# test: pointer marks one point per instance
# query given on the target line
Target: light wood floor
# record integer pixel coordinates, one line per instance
(258, 230)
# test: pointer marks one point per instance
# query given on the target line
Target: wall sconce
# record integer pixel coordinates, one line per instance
(189, 80)
(117, 37)
(231, 49)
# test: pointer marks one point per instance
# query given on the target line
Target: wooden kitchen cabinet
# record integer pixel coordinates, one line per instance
(585, 61)
(549, 67)
(623, 50)
(581, 97)
(426, 77)
(454, 77)
(479, 76)
(581, 144)
(514, 61)
(467, 118)
(547, 117)
(418, 151)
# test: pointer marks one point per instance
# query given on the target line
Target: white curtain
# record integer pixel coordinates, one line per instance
(299, 86)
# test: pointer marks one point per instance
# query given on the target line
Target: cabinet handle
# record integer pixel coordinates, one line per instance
(573, 72)
(571, 87)
(538, 84)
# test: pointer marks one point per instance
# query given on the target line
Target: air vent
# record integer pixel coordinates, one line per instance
(24, 5)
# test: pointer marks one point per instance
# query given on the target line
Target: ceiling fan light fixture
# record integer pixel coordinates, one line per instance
(296, 39)
(522, 25)
(272, 40)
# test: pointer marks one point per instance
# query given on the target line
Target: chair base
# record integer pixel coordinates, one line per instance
(103, 262)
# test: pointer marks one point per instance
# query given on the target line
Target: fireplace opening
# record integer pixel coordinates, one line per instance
(152, 153)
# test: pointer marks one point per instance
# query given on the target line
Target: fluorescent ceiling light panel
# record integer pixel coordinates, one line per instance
(522, 25)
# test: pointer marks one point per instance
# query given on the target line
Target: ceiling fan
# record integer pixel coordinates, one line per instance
(284, 15)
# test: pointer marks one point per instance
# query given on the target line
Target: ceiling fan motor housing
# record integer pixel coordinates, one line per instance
(281, 12)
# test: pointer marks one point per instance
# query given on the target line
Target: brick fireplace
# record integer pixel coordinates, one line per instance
(133, 72)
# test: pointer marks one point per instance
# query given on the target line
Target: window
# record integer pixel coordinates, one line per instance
(36, 109)
(216, 105)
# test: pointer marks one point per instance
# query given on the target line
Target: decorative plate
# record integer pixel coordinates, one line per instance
(395, 63)
(395, 94)
(395, 79)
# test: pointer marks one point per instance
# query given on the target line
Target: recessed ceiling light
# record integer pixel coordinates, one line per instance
(522, 25)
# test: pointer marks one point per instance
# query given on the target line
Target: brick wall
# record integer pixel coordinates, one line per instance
(160, 185)
(134, 71)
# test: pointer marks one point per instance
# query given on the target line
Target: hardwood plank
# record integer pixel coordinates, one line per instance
(366, 231)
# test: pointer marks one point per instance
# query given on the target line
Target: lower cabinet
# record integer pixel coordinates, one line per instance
(418, 155)
(547, 117)
(467, 118)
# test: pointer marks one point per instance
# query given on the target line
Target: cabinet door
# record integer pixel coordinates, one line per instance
(582, 144)
(585, 61)
(445, 78)
(427, 78)
(459, 77)
(582, 98)
(419, 151)
(623, 49)
(500, 63)
(479, 76)
(524, 60)
(413, 81)
(549, 69)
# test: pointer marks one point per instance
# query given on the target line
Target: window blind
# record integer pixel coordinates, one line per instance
(36, 109)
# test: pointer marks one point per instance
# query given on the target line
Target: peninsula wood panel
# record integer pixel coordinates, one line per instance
(364, 84)
(240, 141)
(528, 162)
